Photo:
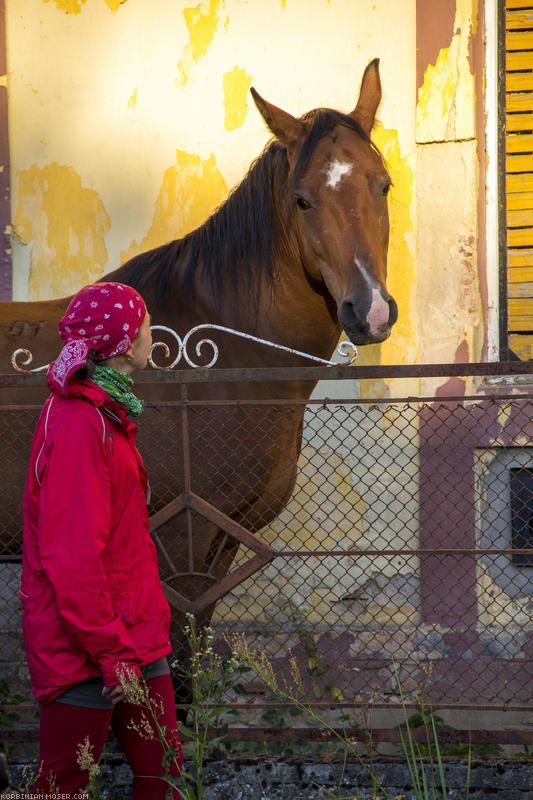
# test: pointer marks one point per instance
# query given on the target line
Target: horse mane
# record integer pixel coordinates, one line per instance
(243, 238)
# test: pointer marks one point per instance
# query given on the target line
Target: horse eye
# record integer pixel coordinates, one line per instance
(302, 203)
(386, 189)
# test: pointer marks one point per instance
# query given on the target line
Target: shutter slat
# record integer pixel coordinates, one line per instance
(516, 202)
(519, 19)
(520, 218)
(520, 275)
(519, 122)
(519, 40)
(519, 82)
(520, 183)
(520, 237)
(518, 4)
(521, 290)
(519, 60)
(519, 143)
(519, 258)
(522, 101)
(522, 163)
(522, 346)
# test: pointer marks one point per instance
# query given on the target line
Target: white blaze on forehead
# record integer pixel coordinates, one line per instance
(336, 171)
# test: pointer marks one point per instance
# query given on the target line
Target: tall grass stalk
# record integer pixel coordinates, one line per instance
(211, 675)
(416, 760)
(291, 690)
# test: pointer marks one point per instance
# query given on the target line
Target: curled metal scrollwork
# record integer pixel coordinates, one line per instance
(346, 350)
(21, 353)
(22, 357)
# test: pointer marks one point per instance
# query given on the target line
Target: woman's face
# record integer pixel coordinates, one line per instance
(142, 344)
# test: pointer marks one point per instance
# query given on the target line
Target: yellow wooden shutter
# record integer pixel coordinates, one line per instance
(519, 174)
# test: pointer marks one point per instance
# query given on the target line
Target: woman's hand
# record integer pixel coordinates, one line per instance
(114, 693)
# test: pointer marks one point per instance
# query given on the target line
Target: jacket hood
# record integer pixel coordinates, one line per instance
(94, 394)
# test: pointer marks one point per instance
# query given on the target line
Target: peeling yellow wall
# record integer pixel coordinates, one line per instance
(236, 85)
(202, 22)
(445, 109)
(403, 346)
(65, 223)
(449, 303)
(75, 6)
(190, 191)
(114, 97)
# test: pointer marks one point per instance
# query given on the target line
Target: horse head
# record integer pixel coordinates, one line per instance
(337, 201)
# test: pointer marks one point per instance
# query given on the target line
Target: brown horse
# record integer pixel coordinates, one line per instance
(297, 252)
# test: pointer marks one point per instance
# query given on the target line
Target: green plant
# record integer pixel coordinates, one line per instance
(430, 784)
(291, 690)
(317, 667)
(211, 676)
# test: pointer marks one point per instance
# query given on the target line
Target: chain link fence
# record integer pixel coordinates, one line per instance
(379, 542)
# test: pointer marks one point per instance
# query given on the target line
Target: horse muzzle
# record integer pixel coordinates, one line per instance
(368, 325)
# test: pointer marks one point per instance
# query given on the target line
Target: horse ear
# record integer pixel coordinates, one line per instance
(286, 127)
(369, 97)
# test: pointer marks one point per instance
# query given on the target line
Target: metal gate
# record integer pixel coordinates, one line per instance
(395, 539)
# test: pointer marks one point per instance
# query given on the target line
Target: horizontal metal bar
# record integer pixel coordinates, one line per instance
(482, 551)
(252, 734)
(407, 552)
(426, 400)
(383, 706)
(372, 735)
(396, 706)
(203, 375)
(340, 373)
(341, 401)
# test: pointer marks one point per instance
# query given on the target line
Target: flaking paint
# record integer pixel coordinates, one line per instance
(236, 86)
(70, 6)
(66, 224)
(401, 346)
(446, 100)
(114, 4)
(75, 6)
(450, 312)
(190, 191)
(202, 22)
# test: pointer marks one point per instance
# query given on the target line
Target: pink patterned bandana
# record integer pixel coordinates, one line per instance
(104, 317)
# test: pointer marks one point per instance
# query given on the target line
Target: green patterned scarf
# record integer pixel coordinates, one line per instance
(118, 386)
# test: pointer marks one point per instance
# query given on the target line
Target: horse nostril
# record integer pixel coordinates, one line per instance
(393, 311)
(351, 317)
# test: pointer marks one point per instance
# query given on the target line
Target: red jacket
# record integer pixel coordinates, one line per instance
(90, 590)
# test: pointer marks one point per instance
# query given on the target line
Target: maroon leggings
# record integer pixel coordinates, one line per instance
(64, 727)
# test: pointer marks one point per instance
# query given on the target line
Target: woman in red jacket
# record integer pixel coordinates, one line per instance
(92, 598)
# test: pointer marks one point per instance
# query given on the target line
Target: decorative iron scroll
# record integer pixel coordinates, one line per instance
(22, 357)
(344, 348)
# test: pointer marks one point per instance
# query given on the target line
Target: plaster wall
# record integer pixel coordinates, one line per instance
(129, 122)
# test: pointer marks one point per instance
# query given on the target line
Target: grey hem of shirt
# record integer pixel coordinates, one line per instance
(88, 694)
